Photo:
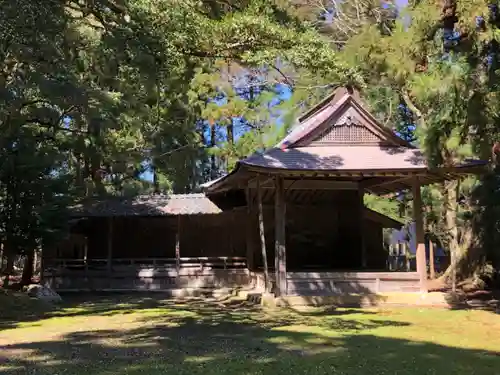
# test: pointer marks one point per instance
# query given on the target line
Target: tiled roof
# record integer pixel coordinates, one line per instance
(190, 204)
(151, 205)
(342, 158)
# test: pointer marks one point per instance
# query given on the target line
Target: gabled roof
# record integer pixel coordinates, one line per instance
(340, 136)
(342, 110)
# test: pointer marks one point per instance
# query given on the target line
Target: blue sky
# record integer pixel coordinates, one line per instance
(285, 94)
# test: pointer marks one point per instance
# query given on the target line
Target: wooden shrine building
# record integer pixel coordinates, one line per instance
(297, 208)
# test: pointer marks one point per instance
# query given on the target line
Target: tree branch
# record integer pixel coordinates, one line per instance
(50, 125)
(410, 104)
(287, 79)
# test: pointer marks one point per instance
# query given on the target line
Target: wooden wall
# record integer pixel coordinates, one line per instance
(149, 237)
(335, 283)
(318, 236)
(155, 237)
(214, 235)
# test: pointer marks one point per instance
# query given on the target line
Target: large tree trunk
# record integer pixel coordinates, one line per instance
(27, 276)
(156, 181)
(79, 179)
(9, 268)
(230, 133)
(262, 237)
(451, 226)
(96, 171)
(213, 161)
(465, 257)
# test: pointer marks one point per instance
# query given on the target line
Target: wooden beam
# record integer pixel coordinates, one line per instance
(372, 184)
(110, 244)
(178, 246)
(1, 256)
(248, 229)
(280, 237)
(257, 180)
(420, 236)
(262, 238)
(311, 184)
(431, 260)
(314, 185)
(361, 215)
(85, 253)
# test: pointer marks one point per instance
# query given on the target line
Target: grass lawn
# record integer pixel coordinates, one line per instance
(140, 335)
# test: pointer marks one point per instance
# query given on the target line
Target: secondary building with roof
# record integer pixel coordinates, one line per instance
(290, 220)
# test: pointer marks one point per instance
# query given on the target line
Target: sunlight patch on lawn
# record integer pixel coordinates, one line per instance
(460, 329)
(191, 359)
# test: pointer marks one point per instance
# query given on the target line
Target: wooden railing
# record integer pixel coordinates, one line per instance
(183, 262)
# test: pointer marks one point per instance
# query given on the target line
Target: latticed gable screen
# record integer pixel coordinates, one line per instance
(347, 134)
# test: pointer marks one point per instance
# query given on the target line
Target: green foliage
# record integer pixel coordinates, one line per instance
(386, 206)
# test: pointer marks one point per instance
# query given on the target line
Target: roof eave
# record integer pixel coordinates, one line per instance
(267, 169)
(214, 186)
(299, 135)
(386, 221)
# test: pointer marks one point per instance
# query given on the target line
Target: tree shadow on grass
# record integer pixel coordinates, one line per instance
(199, 337)
(23, 309)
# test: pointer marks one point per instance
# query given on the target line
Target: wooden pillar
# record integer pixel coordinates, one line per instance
(249, 231)
(431, 260)
(42, 279)
(419, 235)
(280, 236)
(262, 238)
(362, 227)
(85, 254)
(178, 246)
(1, 256)
(110, 244)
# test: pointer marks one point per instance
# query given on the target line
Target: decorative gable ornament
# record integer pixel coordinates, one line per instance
(346, 120)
